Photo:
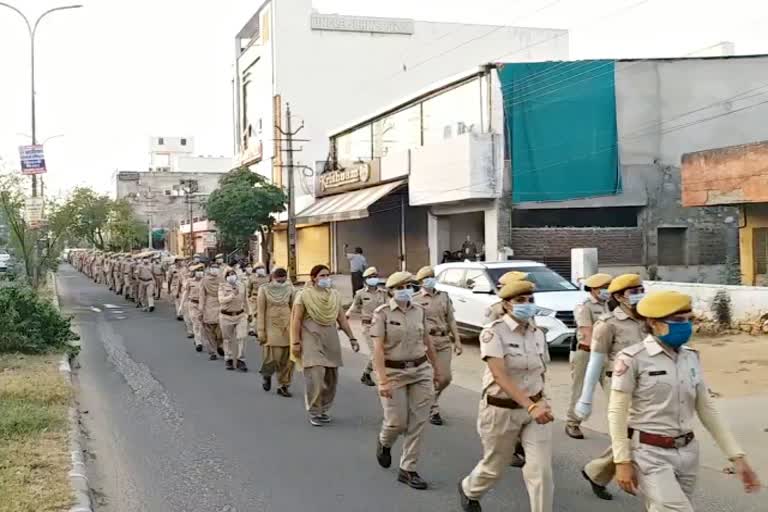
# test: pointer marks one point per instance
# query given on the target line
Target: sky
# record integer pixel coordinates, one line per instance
(114, 72)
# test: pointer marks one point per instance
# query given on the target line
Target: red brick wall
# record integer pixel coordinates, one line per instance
(616, 246)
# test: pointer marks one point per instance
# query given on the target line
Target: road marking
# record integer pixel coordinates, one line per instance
(117, 312)
(111, 306)
(95, 309)
(121, 317)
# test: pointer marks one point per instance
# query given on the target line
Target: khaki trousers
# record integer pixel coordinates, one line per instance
(579, 360)
(602, 469)
(118, 284)
(233, 332)
(406, 413)
(212, 337)
(147, 293)
(158, 286)
(277, 360)
(193, 313)
(127, 286)
(369, 343)
(253, 308)
(444, 357)
(667, 478)
(320, 388)
(184, 312)
(500, 429)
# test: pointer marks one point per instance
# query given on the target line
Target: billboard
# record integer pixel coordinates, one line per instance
(32, 159)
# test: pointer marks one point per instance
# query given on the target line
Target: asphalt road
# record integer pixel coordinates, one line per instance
(171, 431)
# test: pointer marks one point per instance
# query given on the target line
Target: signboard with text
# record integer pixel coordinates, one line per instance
(334, 22)
(33, 211)
(355, 176)
(32, 159)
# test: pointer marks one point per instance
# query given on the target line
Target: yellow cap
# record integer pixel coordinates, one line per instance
(598, 280)
(398, 279)
(512, 276)
(624, 281)
(661, 304)
(516, 288)
(370, 271)
(220, 255)
(425, 272)
(199, 266)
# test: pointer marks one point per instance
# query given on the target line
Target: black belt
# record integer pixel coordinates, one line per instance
(402, 365)
(509, 403)
(147, 279)
(232, 314)
(437, 332)
(195, 301)
(366, 322)
(609, 374)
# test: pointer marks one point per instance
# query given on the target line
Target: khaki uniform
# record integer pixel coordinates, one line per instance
(273, 330)
(526, 356)
(190, 302)
(441, 325)
(494, 312)
(365, 303)
(402, 333)
(254, 282)
(128, 279)
(321, 359)
(108, 273)
(611, 334)
(117, 276)
(586, 315)
(146, 285)
(664, 390)
(158, 274)
(233, 320)
(97, 275)
(209, 304)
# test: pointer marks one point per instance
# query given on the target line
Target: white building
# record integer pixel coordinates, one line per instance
(177, 154)
(332, 68)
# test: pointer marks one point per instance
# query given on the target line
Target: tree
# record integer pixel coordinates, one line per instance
(125, 230)
(89, 215)
(243, 203)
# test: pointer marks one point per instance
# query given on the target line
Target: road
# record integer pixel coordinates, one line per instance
(171, 431)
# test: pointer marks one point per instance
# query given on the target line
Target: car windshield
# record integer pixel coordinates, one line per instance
(546, 280)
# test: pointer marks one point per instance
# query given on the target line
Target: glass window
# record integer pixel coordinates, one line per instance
(453, 113)
(478, 278)
(397, 132)
(545, 279)
(354, 146)
(160, 141)
(451, 277)
(183, 142)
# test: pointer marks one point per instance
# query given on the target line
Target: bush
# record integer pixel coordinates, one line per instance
(721, 307)
(30, 325)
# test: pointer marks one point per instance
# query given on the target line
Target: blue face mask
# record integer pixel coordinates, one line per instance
(604, 295)
(429, 283)
(524, 311)
(678, 335)
(324, 282)
(404, 295)
(635, 298)
(372, 281)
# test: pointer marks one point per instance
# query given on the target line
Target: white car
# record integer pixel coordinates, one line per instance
(472, 288)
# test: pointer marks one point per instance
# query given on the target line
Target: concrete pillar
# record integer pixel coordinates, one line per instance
(584, 263)
(491, 222)
(433, 230)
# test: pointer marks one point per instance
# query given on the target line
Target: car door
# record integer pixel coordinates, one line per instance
(451, 281)
(479, 295)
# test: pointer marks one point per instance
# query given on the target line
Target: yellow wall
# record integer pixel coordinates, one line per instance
(313, 247)
(753, 216)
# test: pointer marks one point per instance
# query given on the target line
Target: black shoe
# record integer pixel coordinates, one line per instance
(383, 455)
(324, 418)
(138, 305)
(574, 431)
(220, 351)
(151, 308)
(436, 419)
(366, 379)
(466, 504)
(599, 490)
(315, 422)
(242, 366)
(266, 383)
(411, 479)
(190, 336)
(228, 364)
(518, 461)
(283, 391)
(251, 333)
(179, 318)
(213, 357)
(199, 348)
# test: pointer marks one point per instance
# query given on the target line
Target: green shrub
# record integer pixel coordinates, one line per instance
(31, 325)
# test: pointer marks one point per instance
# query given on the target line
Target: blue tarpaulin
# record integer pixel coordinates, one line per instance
(561, 127)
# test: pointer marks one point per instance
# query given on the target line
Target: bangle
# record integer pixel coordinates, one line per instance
(532, 407)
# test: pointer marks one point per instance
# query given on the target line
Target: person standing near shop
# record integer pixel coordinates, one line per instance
(256, 280)
(273, 312)
(209, 303)
(443, 332)
(406, 370)
(233, 320)
(190, 302)
(365, 303)
(594, 307)
(315, 341)
(513, 406)
(357, 265)
(610, 335)
(658, 392)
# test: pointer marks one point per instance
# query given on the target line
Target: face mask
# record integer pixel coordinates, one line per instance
(678, 335)
(261, 272)
(429, 283)
(604, 295)
(199, 274)
(280, 283)
(232, 279)
(372, 281)
(219, 261)
(635, 298)
(214, 271)
(325, 282)
(524, 311)
(404, 295)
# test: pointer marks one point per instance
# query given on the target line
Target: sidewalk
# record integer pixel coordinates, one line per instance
(747, 416)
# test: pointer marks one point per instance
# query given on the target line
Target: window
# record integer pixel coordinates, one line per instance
(760, 237)
(671, 248)
(451, 277)
(478, 279)
(354, 146)
(160, 141)
(183, 142)
(397, 132)
(453, 113)
(545, 279)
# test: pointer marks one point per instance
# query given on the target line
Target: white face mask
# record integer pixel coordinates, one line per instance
(372, 281)
(261, 272)
(324, 282)
(213, 271)
(232, 279)
(199, 274)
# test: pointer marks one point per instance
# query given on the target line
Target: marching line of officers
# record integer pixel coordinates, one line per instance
(632, 344)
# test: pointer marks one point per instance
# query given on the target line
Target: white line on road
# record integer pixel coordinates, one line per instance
(111, 306)
(95, 309)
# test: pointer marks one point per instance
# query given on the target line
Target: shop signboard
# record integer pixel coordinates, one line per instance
(32, 159)
(353, 177)
(33, 211)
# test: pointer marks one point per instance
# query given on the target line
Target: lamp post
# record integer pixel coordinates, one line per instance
(32, 29)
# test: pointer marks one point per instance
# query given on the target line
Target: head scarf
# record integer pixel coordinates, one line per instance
(322, 306)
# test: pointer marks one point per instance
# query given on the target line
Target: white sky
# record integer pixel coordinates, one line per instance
(117, 71)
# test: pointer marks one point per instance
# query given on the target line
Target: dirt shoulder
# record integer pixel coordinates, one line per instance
(735, 365)
(34, 452)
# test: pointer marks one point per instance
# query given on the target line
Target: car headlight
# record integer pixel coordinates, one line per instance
(545, 312)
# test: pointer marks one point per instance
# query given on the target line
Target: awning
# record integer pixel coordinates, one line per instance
(347, 206)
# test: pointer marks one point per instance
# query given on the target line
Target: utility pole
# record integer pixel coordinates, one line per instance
(190, 187)
(289, 134)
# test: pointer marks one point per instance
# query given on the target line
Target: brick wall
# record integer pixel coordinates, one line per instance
(616, 246)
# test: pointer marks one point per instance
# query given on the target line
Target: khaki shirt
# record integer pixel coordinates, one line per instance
(524, 351)
(144, 272)
(209, 298)
(366, 302)
(614, 333)
(157, 269)
(232, 297)
(664, 386)
(440, 320)
(254, 283)
(174, 280)
(494, 312)
(587, 314)
(191, 291)
(273, 319)
(402, 331)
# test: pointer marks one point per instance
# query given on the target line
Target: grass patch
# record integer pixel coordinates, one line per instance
(34, 449)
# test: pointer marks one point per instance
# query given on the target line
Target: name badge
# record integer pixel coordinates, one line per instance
(657, 373)
(394, 323)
